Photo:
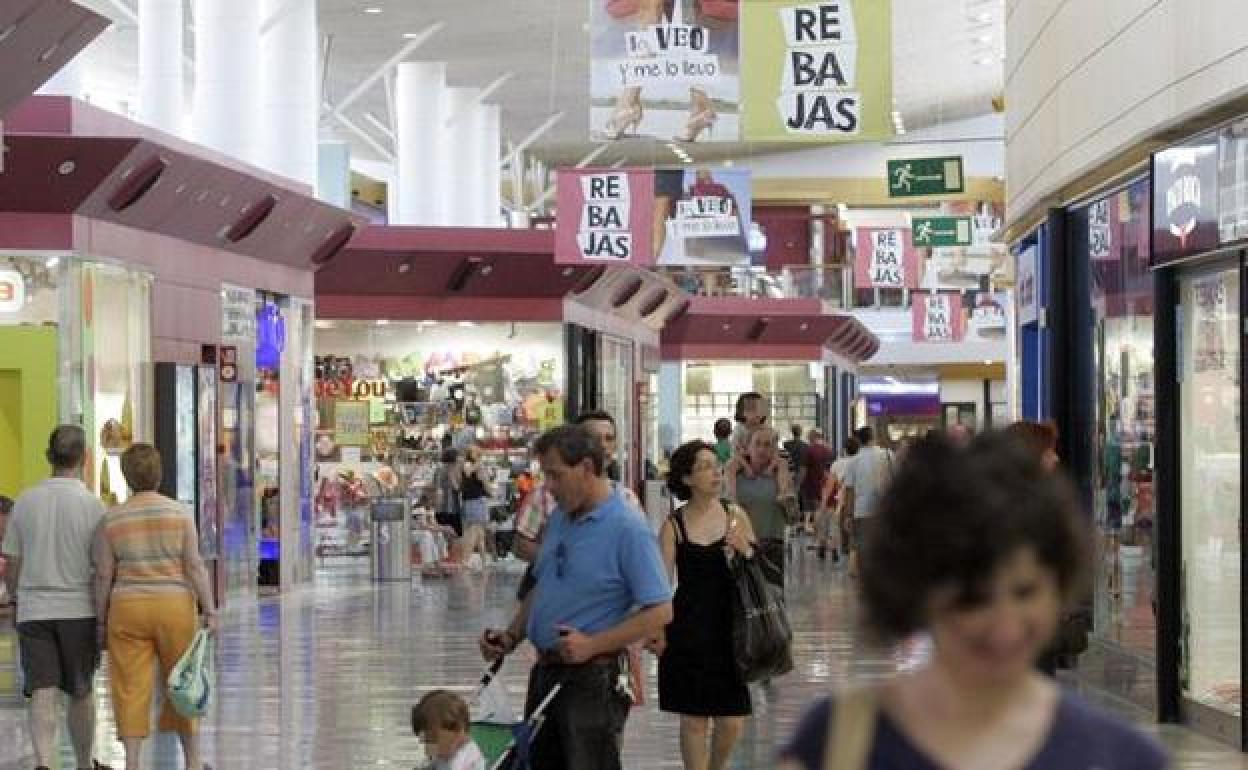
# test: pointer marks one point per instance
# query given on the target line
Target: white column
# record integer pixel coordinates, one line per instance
(457, 168)
(227, 63)
(418, 101)
(161, 99)
(290, 92)
(671, 398)
(333, 178)
(488, 154)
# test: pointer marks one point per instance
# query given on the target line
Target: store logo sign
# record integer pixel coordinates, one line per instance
(1185, 214)
(12, 291)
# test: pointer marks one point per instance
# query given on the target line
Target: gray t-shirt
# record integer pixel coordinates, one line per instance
(866, 474)
(51, 530)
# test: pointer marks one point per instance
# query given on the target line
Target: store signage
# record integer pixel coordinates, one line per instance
(12, 291)
(938, 318)
(349, 387)
(605, 216)
(708, 216)
(886, 259)
(941, 231)
(229, 363)
(1100, 230)
(915, 177)
(1185, 212)
(686, 72)
(238, 313)
(1027, 288)
(817, 70)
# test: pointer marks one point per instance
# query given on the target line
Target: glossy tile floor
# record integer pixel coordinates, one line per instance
(324, 677)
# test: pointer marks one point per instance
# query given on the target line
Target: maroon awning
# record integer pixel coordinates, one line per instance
(37, 38)
(487, 274)
(740, 329)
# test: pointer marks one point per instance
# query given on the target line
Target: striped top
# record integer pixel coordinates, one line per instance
(148, 545)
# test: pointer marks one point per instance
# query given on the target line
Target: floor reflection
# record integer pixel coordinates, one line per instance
(325, 677)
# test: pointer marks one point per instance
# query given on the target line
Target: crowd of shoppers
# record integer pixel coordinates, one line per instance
(131, 581)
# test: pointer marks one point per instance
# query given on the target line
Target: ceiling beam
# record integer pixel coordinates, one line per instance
(549, 192)
(276, 17)
(382, 127)
(533, 136)
(362, 87)
(124, 8)
(362, 134)
(392, 112)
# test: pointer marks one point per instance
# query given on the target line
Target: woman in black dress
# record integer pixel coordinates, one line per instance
(698, 677)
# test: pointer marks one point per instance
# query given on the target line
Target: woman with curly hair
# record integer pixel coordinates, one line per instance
(979, 547)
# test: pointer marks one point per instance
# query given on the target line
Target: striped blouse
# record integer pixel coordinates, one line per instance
(148, 545)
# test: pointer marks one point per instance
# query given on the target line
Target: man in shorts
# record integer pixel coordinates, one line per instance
(865, 478)
(50, 569)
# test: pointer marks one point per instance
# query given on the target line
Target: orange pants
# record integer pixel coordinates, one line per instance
(141, 630)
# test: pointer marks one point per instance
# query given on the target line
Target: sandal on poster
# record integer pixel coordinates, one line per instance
(626, 118)
(699, 122)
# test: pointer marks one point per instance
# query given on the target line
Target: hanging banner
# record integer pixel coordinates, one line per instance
(1027, 288)
(819, 71)
(938, 318)
(664, 69)
(605, 216)
(1101, 216)
(886, 259)
(708, 216)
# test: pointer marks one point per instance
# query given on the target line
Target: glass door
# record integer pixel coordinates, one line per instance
(1210, 674)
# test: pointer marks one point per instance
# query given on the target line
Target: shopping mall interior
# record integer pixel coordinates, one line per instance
(317, 252)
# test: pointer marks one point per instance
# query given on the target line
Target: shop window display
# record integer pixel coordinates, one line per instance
(392, 398)
(111, 398)
(711, 392)
(1211, 557)
(1121, 312)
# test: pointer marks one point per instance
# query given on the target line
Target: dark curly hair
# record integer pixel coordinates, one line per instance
(952, 516)
(681, 465)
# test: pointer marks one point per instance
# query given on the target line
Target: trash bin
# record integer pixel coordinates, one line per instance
(391, 551)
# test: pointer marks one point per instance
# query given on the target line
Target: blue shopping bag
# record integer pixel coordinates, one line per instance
(190, 681)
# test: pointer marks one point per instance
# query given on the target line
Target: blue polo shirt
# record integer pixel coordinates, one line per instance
(592, 573)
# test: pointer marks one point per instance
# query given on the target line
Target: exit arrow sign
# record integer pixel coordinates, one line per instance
(941, 231)
(925, 176)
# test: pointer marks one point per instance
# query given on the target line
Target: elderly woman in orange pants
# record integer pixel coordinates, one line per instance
(149, 579)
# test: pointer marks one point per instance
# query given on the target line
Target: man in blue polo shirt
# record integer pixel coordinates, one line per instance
(601, 586)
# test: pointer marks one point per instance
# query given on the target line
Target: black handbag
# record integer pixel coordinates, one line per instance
(761, 636)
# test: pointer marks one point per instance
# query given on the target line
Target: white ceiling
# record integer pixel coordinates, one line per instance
(947, 64)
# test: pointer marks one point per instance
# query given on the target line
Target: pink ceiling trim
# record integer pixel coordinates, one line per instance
(740, 351)
(452, 240)
(749, 306)
(371, 307)
(36, 231)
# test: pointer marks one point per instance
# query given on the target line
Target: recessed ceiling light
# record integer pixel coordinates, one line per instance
(52, 262)
(66, 168)
(372, 10)
(985, 61)
(405, 266)
(984, 39)
(382, 322)
(983, 17)
(411, 35)
(467, 324)
(567, 272)
(729, 163)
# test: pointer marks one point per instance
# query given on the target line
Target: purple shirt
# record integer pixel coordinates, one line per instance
(1082, 738)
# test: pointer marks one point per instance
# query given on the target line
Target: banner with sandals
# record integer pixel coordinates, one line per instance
(664, 69)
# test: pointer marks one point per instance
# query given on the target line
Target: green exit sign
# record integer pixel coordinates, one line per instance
(941, 231)
(916, 177)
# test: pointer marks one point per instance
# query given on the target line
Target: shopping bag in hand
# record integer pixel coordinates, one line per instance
(494, 705)
(761, 636)
(190, 681)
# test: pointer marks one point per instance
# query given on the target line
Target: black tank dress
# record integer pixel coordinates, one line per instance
(697, 673)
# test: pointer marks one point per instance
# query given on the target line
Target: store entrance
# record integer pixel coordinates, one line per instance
(1210, 511)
